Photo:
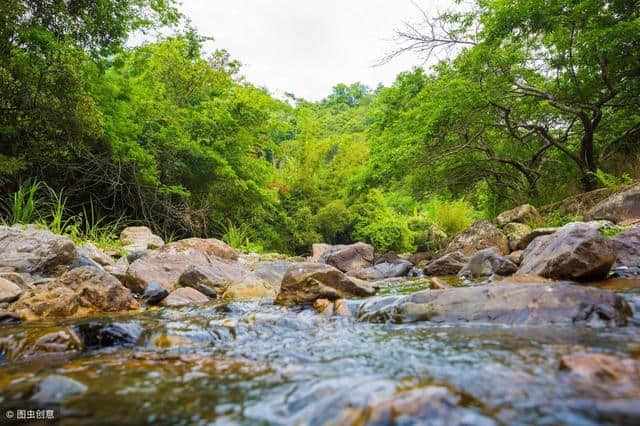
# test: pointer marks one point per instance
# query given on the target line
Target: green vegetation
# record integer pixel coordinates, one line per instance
(539, 102)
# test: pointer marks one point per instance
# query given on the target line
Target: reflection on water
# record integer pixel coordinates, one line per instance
(249, 363)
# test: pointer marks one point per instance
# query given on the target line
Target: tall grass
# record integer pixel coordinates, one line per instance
(23, 206)
(237, 236)
(451, 217)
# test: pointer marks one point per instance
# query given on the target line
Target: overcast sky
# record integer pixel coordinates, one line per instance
(308, 46)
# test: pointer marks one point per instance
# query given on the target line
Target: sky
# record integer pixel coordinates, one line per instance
(308, 46)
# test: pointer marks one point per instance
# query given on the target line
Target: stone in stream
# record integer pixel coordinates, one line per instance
(525, 213)
(9, 291)
(382, 270)
(250, 287)
(167, 264)
(35, 251)
(482, 234)
(55, 389)
(81, 291)
(627, 246)
(273, 271)
(154, 293)
(449, 264)
(509, 304)
(620, 208)
(348, 258)
(487, 262)
(101, 335)
(184, 296)
(600, 368)
(307, 282)
(34, 343)
(576, 252)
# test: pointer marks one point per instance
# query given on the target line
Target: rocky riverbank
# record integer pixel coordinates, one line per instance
(507, 324)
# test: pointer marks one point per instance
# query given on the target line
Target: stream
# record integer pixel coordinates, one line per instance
(255, 363)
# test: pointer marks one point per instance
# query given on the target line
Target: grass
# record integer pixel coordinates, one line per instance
(451, 217)
(237, 236)
(23, 206)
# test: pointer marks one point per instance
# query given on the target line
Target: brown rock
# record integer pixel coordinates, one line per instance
(602, 368)
(250, 287)
(522, 304)
(307, 282)
(9, 292)
(516, 256)
(576, 252)
(323, 306)
(487, 262)
(348, 258)
(135, 238)
(32, 250)
(627, 246)
(449, 264)
(184, 296)
(524, 241)
(36, 344)
(621, 207)
(525, 213)
(482, 234)
(317, 250)
(213, 278)
(97, 255)
(528, 279)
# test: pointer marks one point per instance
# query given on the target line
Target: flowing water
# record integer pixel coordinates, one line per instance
(255, 363)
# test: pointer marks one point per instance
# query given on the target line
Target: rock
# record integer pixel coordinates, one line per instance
(55, 389)
(132, 256)
(482, 234)
(52, 343)
(383, 270)
(431, 405)
(79, 292)
(273, 272)
(139, 238)
(516, 256)
(340, 307)
(212, 279)
(9, 292)
(449, 264)
(34, 251)
(307, 282)
(528, 279)
(621, 207)
(515, 231)
(576, 252)
(154, 293)
(97, 255)
(167, 264)
(598, 367)
(525, 213)
(250, 287)
(487, 262)
(524, 241)
(119, 270)
(8, 318)
(317, 250)
(348, 258)
(522, 304)
(420, 257)
(184, 296)
(627, 246)
(100, 335)
(323, 307)
(23, 280)
(437, 284)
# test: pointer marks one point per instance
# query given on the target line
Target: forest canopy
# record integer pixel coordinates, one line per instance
(531, 101)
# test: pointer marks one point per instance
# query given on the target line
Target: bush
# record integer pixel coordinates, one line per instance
(451, 217)
(333, 221)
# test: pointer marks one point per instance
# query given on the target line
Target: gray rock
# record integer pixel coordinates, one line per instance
(380, 271)
(481, 235)
(525, 213)
(348, 258)
(627, 246)
(35, 251)
(154, 293)
(184, 296)
(487, 262)
(55, 389)
(619, 208)
(524, 241)
(9, 292)
(449, 264)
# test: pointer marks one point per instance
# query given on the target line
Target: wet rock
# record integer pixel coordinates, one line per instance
(36, 251)
(166, 265)
(307, 282)
(154, 293)
(340, 307)
(8, 318)
(184, 296)
(79, 292)
(524, 241)
(627, 247)
(9, 292)
(139, 238)
(55, 389)
(622, 207)
(599, 368)
(380, 271)
(37, 345)
(482, 234)
(97, 255)
(432, 405)
(487, 262)
(525, 213)
(449, 264)
(348, 258)
(522, 304)
(212, 279)
(576, 252)
(101, 335)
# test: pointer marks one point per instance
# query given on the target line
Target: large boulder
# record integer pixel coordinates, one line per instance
(348, 258)
(213, 278)
(627, 246)
(521, 304)
(166, 264)
(449, 264)
(523, 242)
(184, 296)
(273, 272)
(307, 282)
(487, 262)
(81, 291)
(481, 235)
(35, 251)
(525, 213)
(135, 238)
(619, 208)
(576, 252)
(382, 270)
(251, 287)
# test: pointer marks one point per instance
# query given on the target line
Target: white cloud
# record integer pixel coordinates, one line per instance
(307, 46)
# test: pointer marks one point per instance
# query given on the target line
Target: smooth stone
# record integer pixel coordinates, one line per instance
(55, 389)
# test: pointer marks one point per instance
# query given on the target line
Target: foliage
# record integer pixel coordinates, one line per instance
(23, 206)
